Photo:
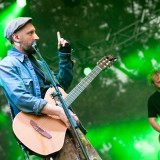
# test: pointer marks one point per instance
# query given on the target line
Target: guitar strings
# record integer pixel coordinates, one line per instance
(82, 85)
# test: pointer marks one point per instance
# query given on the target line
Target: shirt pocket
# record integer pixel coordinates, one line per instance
(28, 82)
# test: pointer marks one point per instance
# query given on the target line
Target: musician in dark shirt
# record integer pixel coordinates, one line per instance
(154, 100)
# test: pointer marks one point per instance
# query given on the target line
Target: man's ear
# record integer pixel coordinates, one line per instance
(15, 38)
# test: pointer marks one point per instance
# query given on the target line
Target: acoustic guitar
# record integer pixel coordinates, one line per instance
(45, 134)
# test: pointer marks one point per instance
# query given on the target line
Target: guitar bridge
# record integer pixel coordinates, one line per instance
(40, 130)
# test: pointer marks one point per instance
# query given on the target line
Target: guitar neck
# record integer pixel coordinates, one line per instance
(76, 91)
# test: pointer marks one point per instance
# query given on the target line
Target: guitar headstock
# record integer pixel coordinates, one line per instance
(106, 62)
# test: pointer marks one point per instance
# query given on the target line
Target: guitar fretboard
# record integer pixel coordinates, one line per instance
(82, 85)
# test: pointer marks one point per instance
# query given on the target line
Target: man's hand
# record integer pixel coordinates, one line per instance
(58, 113)
(64, 118)
(61, 41)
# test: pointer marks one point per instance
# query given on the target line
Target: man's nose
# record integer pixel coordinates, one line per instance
(36, 37)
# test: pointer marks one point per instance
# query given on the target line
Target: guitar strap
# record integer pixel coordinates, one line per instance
(39, 70)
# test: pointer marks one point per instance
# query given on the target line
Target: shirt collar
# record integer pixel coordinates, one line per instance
(16, 53)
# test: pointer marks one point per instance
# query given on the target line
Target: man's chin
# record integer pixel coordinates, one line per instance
(30, 51)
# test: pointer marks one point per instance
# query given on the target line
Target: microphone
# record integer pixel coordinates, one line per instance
(34, 46)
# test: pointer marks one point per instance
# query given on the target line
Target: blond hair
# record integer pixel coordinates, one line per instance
(150, 76)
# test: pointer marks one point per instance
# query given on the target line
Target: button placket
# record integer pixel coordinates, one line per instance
(34, 77)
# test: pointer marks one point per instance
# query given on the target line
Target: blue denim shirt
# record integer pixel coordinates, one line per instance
(21, 84)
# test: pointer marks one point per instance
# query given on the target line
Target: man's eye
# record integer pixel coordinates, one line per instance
(30, 33)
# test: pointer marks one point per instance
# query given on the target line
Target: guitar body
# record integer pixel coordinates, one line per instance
(35, 141)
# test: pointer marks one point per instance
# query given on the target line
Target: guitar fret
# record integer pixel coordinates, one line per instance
(82, 85)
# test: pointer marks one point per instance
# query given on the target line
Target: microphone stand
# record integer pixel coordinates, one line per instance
(74, 126)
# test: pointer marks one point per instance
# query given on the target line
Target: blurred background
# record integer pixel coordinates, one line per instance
(113, 108)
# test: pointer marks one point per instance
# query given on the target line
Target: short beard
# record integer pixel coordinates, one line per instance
(30, 51)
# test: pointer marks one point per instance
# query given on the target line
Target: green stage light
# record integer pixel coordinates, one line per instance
(21, 3)
(138, 62)
(142, 61)
(86, 71)
(132, 139)
(143, 146)
(3, 119)
(7, 15)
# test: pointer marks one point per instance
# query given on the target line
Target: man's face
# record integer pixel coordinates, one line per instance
(26, 36)
(156, 80)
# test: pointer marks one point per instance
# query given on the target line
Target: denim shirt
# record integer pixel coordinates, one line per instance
(21, 84)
